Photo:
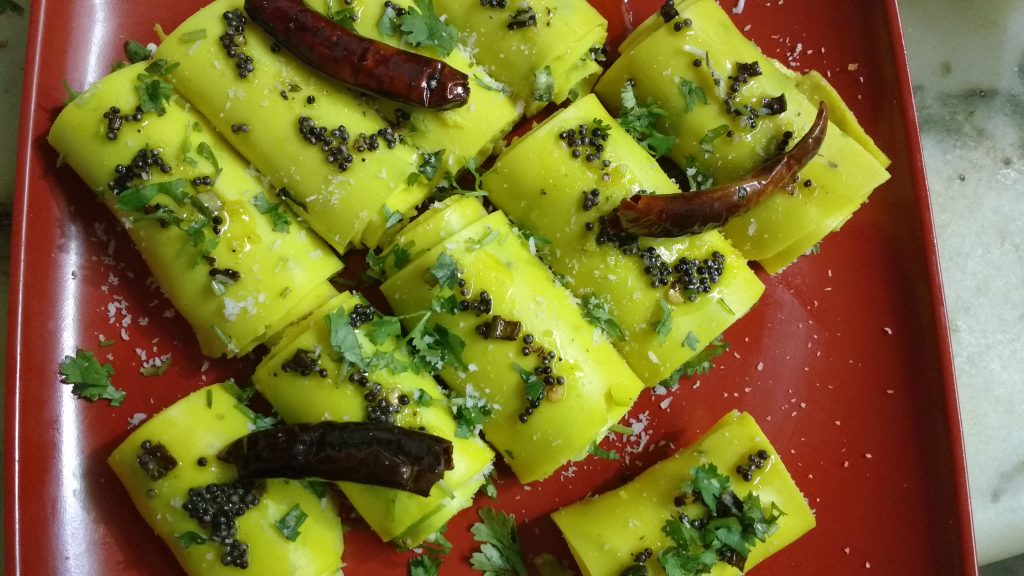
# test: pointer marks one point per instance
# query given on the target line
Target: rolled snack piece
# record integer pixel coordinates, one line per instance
(666, 299)
(336, 161)
(170, 468)
(445, 218)
(544, 51)
(452, 137)
(308, 381)
(543, 383)
(234, 262)
(758, 510)
(730, 109)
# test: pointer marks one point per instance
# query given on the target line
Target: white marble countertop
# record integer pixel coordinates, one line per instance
(967, 65)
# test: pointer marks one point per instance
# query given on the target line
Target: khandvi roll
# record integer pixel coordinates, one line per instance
(542, 382)
(665, 300)
(721, 109)
(234, 261)
(543, 51)
(346, 363)
(214, 523)
(719, 507)
(450, 137)
(338, 163)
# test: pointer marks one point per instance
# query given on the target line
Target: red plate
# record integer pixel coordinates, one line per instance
(845, 362)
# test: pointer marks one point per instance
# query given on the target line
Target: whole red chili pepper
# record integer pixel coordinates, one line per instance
(362, 63)
(361, 452)
(679, 214)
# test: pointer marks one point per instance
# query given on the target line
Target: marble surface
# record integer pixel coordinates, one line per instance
(968, 72)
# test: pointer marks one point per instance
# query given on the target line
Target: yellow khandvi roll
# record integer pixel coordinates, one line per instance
(666, 510)
(170, 468)
(544, 51)
(234, 262)
(666, 299)
(469, 132)
(341, 166)
(731, 109)
(308, 381)
(543, 383)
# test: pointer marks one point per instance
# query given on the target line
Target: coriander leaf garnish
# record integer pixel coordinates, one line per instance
(691, 341)
(423, 27)
(136, 52)
(317, 487)
(424, 565)
(445, 270)
(289, 523)
(391, 217)
(275, 210)
(700, 364)
(692, 95)
(595, 450)
(429, 164)
(543, 85)
(709, 483)
(639, 121)
(380, 330)
(135, 199)
(499, 553)
(346, 17)
(189, 539)
(708, 140)
(343, 337)
(533, 383)
(154, 89)
(204, 150)
(89, 379)
(488, 487)
(193, 36)
(445, 304)
(471, 413)
(596, 311)
(156, 369)
(663, 327)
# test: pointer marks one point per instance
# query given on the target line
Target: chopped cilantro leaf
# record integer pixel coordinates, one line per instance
(343, 337)
(445, 270)
(692, 95)
(470, 414)
(424, 565)
(596, 311)
(391, 217)
(595, 450)
(472, 244)
(89, 379)
(639, 121)
(388, 23)
(437, 542)
(289, 523)
(499, 553)
(189, 539)
(709, 483)
(533, 383)
(204, 150)
(346, 17)
(700, 364)
(708, 140)
(697, 176)
(380, 330)
(543, 85)
(135, 199)
(275, 210)
(663, 327)
(317, 487)
(156, 369)
(259, 421)
(153, 88)
(691, 341)
(429, 164)
(136, 52)
(106, 343)
(445, 304)
(488, 486)
(423, 27)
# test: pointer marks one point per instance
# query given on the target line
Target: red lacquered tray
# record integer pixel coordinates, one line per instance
(845, 362)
